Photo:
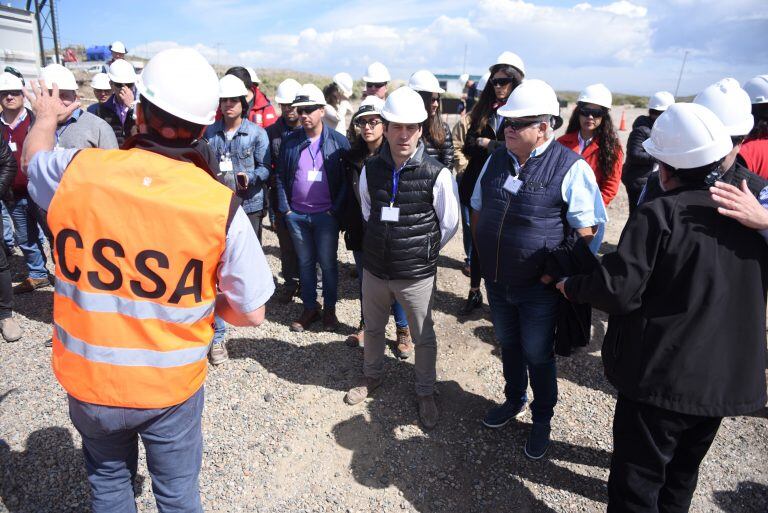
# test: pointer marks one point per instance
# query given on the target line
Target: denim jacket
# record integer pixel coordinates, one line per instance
(249, 152)
(335, 147)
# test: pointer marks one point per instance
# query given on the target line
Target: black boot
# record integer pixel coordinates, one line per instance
(474, 300)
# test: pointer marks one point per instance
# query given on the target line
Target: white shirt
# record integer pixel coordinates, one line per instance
(445, 201)
(582, 143)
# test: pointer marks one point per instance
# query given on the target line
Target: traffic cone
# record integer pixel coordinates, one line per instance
(623, 122)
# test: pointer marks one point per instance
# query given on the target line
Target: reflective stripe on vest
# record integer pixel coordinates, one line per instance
(107, 303)
(138, 238)
(130, 357)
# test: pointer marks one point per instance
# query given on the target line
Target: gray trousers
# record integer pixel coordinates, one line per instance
(415, 296)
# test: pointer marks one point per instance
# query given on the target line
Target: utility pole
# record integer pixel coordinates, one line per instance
(681, 73)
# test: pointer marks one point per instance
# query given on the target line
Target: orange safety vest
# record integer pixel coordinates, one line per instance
(138, 238)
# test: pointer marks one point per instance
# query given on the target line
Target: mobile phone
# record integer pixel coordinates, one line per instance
(241, 181)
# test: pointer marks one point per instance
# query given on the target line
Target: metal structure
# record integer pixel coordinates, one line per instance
(47, 26)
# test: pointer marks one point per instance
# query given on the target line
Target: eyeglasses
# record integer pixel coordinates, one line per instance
(500, 82)
(361, 122)
(375, 85)
(307, 110)
(519, 125)
(11, 93)
(120, 86)
(595, 113)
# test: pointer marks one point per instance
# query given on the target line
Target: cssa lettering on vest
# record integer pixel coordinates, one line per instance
(135, 294)
(108, 254)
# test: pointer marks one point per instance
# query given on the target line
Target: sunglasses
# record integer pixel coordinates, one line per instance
(500, 82)
(307, 110)
(373, 123)
(234, 99)
(375, 85)
(11, 93)
(120, 86)
(595, 113)
(519, 125)
(435, 99)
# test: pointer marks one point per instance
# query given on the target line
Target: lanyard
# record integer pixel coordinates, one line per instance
(319, 149)
(396, 183)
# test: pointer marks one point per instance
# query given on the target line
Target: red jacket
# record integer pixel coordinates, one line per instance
(609, 185)
(755, 155)
(262, 113)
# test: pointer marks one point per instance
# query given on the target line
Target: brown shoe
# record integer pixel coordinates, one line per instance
(308, 316)
(404, 343)
(356, 339)
(287, 293)
(363, 389)
(330, 322)
(30, 284)
(428, 413)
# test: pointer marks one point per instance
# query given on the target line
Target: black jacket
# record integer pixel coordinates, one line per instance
(406, 249)
(122, 131)
(638, 164)
(686, 294)
(8, 170)
(443, 154)
(476, 156)
(354, 226)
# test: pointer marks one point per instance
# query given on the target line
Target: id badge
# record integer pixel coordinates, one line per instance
(390, 214)
(225, 166)
(513, 184)
(12, 146)
(314, 176)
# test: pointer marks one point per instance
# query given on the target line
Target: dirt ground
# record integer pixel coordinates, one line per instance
(279, 439)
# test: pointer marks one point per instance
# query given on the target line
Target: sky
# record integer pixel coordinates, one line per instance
(632, 46)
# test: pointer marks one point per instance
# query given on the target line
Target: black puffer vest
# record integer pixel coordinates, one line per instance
(406, 249)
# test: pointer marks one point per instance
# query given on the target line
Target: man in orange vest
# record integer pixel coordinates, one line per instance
(148, 246)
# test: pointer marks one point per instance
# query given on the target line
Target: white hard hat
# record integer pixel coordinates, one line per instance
(661, 100)
(404, 105)
(483, 81)
(424, 80)
(118, 47)
(463, 79)
(286, 91)
(510, 59)
(182, 83)
(231, 87)
(687, 136)
(345, 83)
(597, 94)
(377, 73)
(371, 105)
(309, 94)
(757, 89)
(100, 81)
(122, 72)
(10, 82)
(533, 97)
(730, 103)
(252, 73)
(59, 75)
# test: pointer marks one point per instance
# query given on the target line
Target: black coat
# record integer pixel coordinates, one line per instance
(8, 169)
(122, 131)
(354, 226)
(638, 164)
(686, 294)
(476, 156)
(443, 154)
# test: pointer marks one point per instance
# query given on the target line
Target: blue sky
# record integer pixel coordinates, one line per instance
(633, 46)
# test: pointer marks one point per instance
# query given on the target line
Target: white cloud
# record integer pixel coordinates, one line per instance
(632, 46)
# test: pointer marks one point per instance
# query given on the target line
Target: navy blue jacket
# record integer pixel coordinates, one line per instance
(335, 147)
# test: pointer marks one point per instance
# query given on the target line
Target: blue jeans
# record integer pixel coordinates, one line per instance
(173, 440)
(29, 237)
(401, 321)
(524, 323)
(8, 236)
(219, 330)
(316, 240)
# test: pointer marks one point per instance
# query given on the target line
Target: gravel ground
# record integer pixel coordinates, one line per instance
(279, 439)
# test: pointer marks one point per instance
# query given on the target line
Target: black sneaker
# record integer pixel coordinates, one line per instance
(538, 441)
(501, 415)
(474, 300)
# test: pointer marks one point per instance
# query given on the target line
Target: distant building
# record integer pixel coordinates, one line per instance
(452, 84)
